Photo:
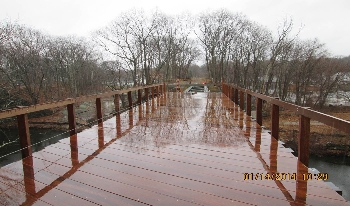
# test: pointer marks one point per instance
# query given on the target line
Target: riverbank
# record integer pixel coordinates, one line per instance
(324, 140)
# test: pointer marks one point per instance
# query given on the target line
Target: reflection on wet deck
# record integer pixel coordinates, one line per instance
(178, 149)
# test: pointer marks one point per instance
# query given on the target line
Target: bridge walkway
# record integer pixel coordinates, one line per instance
(176, 149)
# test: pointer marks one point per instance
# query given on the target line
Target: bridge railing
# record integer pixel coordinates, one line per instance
(21, 112)
(243, 97)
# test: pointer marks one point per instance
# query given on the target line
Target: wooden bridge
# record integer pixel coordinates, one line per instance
(172, 149)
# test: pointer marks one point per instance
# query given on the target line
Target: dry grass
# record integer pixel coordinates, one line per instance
(324, 140)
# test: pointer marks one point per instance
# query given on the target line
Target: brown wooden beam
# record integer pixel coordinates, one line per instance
(241, 100)
(49, 105)
(228, 91)
(99, 110)
(24, 135)
(275, 109)
(71, 119)
(232, 94)
(147, 94)
(116, 103)
(139, 96)
(259, 111)
(117, 112)
(130, 100)
(249, 105)
(236, 96)
(304, 140)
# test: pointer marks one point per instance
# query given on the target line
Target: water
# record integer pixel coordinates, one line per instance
(40, 138)
(338, 172)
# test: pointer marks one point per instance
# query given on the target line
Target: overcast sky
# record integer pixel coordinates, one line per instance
(327, 20)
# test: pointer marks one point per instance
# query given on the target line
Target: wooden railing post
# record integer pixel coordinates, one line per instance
(304, 140)
(99, 110)
(164, 88)
(131, 118)
(117, 111)
(71, 119)
(236, 96)
(241, 100)
(225, 89)
(275, 114)
(152, 88)
(228, 91)
(147, 94)
(249, 104)
(232, 94)
(139, 96)
(130, 100)
(24, 135)
(259, 111)
(116, 104)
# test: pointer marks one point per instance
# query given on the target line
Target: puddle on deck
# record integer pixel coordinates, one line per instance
(178, 149)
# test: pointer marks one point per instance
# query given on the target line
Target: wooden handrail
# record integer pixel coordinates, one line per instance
(50, 105)
(305, 115)
(22, 112)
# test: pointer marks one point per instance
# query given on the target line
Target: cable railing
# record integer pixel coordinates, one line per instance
(21, 112)
(243, 98)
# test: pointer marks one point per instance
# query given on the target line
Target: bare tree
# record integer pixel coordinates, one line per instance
(6, 98)
(149, 47)
(74, 67)
(37, 68)
(25, 67)
(328, 77)
(278, 52)
(216, 31)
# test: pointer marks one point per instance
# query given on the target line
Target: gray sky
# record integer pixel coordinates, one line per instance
(327, 20)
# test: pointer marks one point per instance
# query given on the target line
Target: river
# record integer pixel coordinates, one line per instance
(338, 170)
(40, 138)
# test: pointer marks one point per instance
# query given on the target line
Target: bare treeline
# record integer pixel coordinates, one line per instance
(137, 48)
(36, 67)
(151, 48)
(247, 54)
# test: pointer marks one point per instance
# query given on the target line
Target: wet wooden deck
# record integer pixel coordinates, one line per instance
(179, 149)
